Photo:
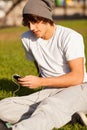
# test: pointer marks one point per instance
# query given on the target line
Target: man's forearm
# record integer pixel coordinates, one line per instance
(66, 80)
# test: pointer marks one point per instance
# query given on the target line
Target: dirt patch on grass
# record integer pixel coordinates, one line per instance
(9, 36)
(11, 33)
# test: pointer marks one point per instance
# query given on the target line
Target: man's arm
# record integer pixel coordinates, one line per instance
(74, 77)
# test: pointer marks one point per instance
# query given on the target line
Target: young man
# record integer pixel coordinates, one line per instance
(58, 53)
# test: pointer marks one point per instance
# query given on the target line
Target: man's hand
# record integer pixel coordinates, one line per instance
(30, 81)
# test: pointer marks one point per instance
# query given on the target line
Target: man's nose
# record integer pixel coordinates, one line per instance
(32, 26)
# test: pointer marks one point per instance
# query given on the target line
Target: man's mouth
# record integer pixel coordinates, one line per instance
(36, 32)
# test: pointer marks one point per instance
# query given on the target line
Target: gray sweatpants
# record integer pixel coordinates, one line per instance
(44, 110)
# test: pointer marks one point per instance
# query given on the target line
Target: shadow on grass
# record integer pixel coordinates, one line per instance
(8, 86)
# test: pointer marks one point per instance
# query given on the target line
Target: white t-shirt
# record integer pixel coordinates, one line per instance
(52, 55)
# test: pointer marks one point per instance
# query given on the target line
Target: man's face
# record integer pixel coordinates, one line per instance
(40, 29)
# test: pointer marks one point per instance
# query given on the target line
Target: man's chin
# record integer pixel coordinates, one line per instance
(37, 35)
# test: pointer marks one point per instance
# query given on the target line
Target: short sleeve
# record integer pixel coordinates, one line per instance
(74, 46)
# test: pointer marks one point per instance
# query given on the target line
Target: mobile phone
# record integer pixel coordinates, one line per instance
(16, 76)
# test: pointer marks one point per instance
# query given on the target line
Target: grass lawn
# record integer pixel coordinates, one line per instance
(13, 60)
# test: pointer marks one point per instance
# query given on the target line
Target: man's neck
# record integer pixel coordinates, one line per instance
(50, 32)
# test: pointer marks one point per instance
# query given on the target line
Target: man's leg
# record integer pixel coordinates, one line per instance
(80, 116)
(57, 110)
(15, 109)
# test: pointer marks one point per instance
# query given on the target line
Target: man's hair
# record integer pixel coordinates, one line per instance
(34, 19)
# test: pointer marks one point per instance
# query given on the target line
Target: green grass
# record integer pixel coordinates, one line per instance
(13, 60)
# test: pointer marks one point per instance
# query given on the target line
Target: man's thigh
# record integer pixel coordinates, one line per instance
(16, 108)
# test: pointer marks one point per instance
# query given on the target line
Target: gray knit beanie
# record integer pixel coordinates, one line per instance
(42, 8)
